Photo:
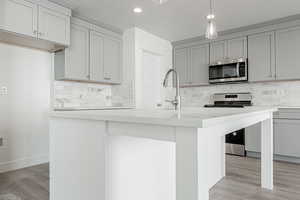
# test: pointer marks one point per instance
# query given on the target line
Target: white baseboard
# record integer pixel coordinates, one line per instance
(23, 163)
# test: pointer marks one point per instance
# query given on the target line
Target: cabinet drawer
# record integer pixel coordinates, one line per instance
(288, 113)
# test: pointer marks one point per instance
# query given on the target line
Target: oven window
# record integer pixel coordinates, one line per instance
(223, 71)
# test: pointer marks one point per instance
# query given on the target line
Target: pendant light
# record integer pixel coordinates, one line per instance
(211, 29)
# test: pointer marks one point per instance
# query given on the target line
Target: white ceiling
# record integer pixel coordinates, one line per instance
(181, 19)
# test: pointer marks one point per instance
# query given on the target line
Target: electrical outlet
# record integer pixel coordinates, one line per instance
(2, 142)
(3, 90)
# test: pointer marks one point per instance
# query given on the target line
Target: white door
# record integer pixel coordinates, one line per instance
(237, 48)
(112, 60)
(77, 55)
(53, 26)
(18, 16)
(199, 64)
(218, 51)
(261, 57)
(96, 56)
(181, 64)
(287, 54)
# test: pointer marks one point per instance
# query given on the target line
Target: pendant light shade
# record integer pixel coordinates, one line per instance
(211, 29)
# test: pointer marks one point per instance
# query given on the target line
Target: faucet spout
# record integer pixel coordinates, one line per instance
(177, 101)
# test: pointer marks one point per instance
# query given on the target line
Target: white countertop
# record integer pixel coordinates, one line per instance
(190, 117)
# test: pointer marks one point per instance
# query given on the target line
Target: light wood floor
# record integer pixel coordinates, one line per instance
(27, 184)
(241, 183)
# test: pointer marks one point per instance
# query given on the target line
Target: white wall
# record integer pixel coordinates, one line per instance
(149, 57)
(24, 110)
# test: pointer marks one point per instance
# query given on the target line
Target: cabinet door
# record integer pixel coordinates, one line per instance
(77, 55)
(237, 48)
(18, 16)
(53, 26)
(112, 60)
(199, 64)
(181, 64)
(261, 57)
(253, 138)
(218, 51)
(96, 56)
(287, 54)
(287, 137)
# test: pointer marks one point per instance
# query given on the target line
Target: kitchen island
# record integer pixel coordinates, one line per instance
(148, 154)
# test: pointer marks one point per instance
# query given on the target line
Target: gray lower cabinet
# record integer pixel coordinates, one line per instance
(261, 56)
(286, 136)
(253, 138)
(192, 64)
(287, 53)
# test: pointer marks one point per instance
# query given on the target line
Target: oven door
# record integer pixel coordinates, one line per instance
(228, 72)
(235, 143)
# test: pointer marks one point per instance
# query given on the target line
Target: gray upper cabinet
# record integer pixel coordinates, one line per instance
(95, 55)
(192, 64)
(181, 64)
(77, 55)
(112, 60)
(228, 49)
(37, 19)
(237, 48)
(287, 54)
(10, 19)
(53, 26)
(218, 51)
(261, 56)
(199, 64)
(105, 58)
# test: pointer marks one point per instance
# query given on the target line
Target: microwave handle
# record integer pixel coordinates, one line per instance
(238, 69)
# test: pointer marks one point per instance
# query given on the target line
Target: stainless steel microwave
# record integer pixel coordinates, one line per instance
(229, 71)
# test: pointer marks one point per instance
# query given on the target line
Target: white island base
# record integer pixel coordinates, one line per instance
(149, 155)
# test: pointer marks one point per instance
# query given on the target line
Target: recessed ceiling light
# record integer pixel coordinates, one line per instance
(138, 10)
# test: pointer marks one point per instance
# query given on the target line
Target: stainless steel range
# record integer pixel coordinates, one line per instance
(235, 142)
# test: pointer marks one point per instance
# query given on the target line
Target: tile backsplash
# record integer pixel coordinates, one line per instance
(86, 95)
(268, 93)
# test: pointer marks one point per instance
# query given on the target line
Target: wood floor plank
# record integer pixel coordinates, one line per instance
(242, 182)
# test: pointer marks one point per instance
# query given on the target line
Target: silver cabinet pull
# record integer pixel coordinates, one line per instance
(35, 32)
(107, 78)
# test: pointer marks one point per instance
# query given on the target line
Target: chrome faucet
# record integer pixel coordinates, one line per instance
(177, 101)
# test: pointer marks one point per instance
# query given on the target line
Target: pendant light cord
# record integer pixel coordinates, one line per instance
(210, 6)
